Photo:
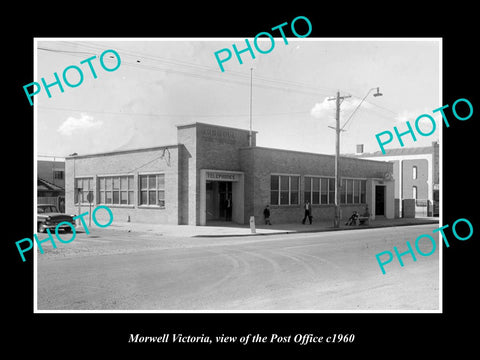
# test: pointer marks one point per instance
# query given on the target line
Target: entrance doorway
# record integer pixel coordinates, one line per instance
(380, 200)
(219, 200)
(216, 187)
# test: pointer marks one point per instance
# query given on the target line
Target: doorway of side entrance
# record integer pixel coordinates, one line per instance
(379, 200)
(219, 200)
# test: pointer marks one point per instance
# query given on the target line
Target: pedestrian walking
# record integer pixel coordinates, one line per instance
(308, 212)
(266, 215)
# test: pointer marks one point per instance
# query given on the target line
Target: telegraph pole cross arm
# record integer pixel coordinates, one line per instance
(339, 97)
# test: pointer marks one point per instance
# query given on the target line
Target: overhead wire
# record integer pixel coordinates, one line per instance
(378, 115)
(273, 83)
(167, 115)
(215, 71)
(208, 73)
(276, 84)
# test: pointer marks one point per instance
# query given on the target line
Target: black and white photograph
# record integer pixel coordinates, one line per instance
(291, 181)
(187, 158)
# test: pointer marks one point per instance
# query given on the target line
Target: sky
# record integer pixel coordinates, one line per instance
(161, 83)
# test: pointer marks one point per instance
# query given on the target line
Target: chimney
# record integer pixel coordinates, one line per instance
(359, 149)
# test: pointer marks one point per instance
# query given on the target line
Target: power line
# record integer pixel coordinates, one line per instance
(170, 115)
(275, 84)
(154, 159)
(65, 51)
(208, 74)
(376, 105)
(308, 88)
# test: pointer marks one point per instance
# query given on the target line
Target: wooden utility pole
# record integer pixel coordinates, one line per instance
(338, 100)
(250, 132)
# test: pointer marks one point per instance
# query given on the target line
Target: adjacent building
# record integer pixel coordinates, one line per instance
(417, 180)
(51, 181)
(216, 173)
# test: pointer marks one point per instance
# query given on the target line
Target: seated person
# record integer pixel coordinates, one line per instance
(353, 219)
(366, 213)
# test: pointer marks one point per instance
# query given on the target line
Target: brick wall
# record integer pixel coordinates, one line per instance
(408, 208)
(209, 147)
(135, 162)
(218, 147)
(187, 136)
(420, 182)
(247, 165)
(185, 158)
(259, 163)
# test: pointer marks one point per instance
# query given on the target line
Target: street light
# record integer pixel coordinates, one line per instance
(339, 99)
(378, 93)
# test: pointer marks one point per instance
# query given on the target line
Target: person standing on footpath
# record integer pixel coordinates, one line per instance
(228, 209)
(308, 212)
(266, 215)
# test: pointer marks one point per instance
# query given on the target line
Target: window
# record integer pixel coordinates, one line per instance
(356, 191)
(58, 174)
(331, 191)
(152, 189)
(414, 192)
(294, 189)
(363, 192)
(317, 190)
(308, 189)
(284, 187)
(349, 191)
(324, 191)
(353, 191)
(414, 173)
(284, 190)
(312, 190)
(343, 192)
(274, 189)
(115, 190)
(82, 188)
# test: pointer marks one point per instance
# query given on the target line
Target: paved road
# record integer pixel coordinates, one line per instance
(112, 270)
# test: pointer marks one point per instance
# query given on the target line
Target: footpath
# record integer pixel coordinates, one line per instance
(227, 229)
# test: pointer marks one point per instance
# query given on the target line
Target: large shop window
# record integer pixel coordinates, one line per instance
(353, 191)
(284, 190)
(82, 188)
(152, 189)
(116, 190)
(319, 190)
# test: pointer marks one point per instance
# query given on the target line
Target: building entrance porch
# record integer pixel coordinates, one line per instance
(221, 196)
(219, 201)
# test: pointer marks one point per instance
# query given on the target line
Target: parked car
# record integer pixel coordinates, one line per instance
(48, 217)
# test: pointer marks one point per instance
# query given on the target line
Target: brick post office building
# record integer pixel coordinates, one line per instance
(193, 180)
